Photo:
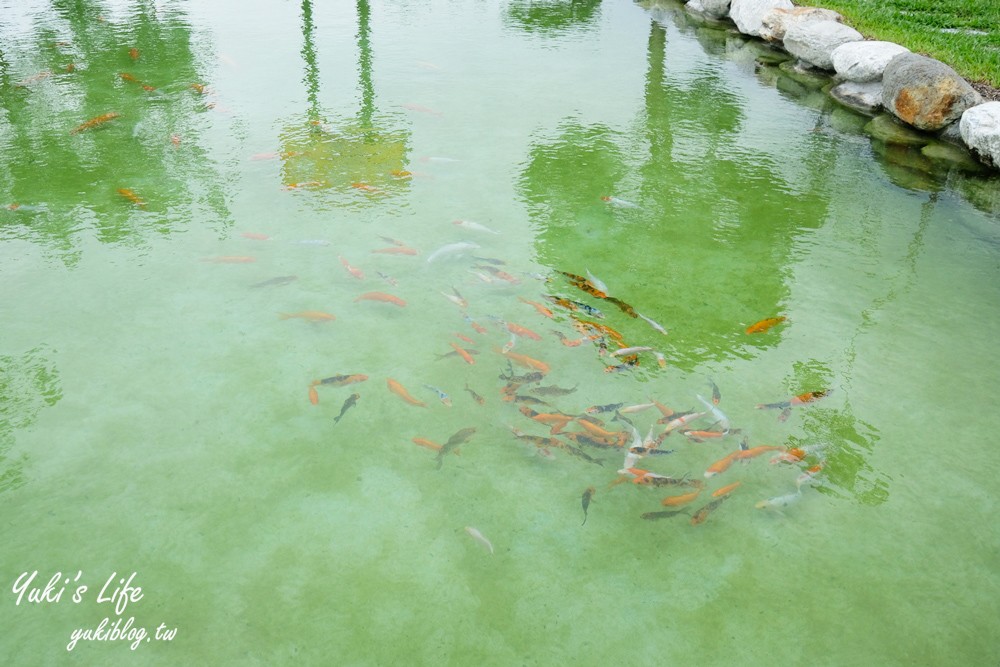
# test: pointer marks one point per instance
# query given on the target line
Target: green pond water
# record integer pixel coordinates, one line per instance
(157, 414)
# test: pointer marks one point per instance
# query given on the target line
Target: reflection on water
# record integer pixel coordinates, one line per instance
(29, 382)
(390, 346)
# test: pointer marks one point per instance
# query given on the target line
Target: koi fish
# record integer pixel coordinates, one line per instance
(348, 404)
(518, 330)
(441, 395)
(753, 452)
(313, 395)
(796, 454)
(585, 285)
(465, 338)
(477, 536)
(429, 444)
(133, 53)
(421, 109)
(809, 475)
(304, 184)
(778, 503)
(702, 514)
(680, 421)
(199, 88)
(721, 419)
(396, 250)
(354, 271)
(255, 236)
(479, 328)
(721, 465)
(463, 353)
(624, 307)
(95, 122)
(716, 395)
(527, 377)
(653, 324)
(341, 380)
(131, 196)
(175, 139)
(620, 203)
(683, 499)
(476, 397)
(455, 354)
(400, 391)
(499, 273)
(279, 280)
(311, 315)
(801, 399)
(555, 420)
(596, 282)
(625, 351)
(451, 249)
(468, 224)
(364, 187)
(664, 514)
(389, 279)
(702, 436)
(647, 478)
(526, 361)
(568, 342)
(588, 495)
(456, 299)
(381, 296)
(542, 310)
(764, 325)
(400, 173)
(630, 409)
(454, 441)
(726, 490)
(553, 390)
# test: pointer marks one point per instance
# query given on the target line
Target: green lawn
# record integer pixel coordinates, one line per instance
(964, 34)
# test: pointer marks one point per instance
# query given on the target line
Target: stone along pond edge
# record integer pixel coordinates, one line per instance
(879, 79)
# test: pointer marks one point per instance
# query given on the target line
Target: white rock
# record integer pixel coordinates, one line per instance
(713, 9)
(864, 61)
(775, 22)
(814, 41)
(980, 127)
(865, 97)
(748, 15)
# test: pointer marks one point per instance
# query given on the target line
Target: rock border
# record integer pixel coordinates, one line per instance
(869, 76)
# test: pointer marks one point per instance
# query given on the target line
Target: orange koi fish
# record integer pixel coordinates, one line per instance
(313, 395)
(499, 273)
(230, 259)
(95, 122)
(199, 88)
(400, 391)
(465, 338)
(524, 360)
(569, 342)
(595, 429)
(311, 315)
(381, 296)
(745, 454)
(726, 490)
(354, 271)
(683, 499)
(807, 397)
(518, 330)
(556, 420)
(175, 140)
(133, 53)
(304, 184)
(764, 325)
(433, 446)
(70, 68)
(341, 380)
(463, 353)
(131, 196)
(721, 465)
(542, 310)
(364, 187)
(585, 284)
(255, 236)
(396, 250)
(400, 173)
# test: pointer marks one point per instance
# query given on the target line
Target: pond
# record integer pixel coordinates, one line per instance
(315, 315)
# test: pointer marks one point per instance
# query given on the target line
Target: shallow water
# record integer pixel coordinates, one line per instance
(156, 414)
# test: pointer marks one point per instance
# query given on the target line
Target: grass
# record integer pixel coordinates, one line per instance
(964, 34)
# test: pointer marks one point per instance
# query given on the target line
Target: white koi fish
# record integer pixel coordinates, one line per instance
(720, 417)
(625, 351)
(660, 359)
(468, 224)
(628, 409)
(597, 282)
(451, 249)
(620, 203)
(681, 421)
(456, 298)
(653, 324)
(479, 537)
(779, 503)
